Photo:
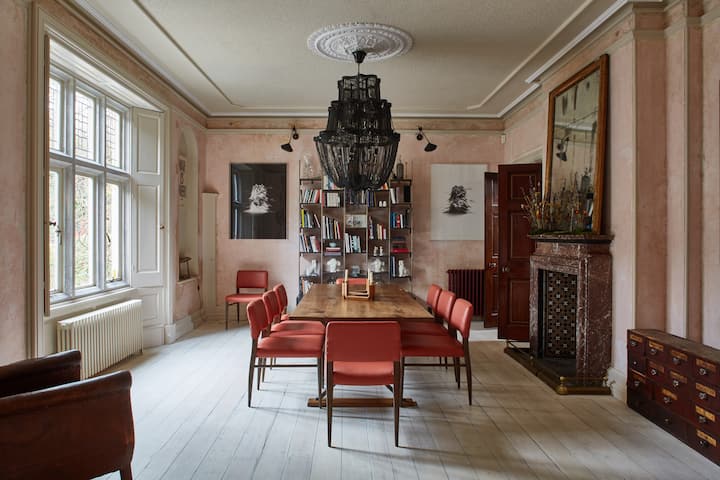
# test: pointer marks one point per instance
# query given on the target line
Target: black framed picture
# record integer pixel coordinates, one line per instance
(258, 200)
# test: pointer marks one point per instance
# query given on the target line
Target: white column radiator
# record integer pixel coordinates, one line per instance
(104, 336)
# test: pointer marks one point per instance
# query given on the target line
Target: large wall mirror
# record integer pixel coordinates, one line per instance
(575, 159)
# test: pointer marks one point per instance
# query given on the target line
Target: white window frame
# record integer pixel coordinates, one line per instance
(70, 165)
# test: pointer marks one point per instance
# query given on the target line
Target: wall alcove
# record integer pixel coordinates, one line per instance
(188, 208)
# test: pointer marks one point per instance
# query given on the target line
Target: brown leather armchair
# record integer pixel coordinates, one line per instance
(54, 426)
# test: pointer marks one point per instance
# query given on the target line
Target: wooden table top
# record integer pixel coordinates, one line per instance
(324, 302)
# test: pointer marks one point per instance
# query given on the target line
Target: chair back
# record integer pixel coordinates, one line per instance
(351, 341)
(251, 279)
(352, 281)
(281, 295)
(257, 317)
(461, 317)
(446, 300)
(272, 307)
(433, 295)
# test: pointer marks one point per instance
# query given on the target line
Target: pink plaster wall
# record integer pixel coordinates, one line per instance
(13, 134)
(711, 184)
(648, 83)
(526, 136)
(280, 257)
(620, 198)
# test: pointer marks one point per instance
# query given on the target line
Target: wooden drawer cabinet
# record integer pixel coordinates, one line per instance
(675, 383)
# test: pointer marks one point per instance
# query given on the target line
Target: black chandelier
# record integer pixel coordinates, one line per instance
(357, 150)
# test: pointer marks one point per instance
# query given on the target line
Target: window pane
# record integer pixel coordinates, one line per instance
(55, 110)
(112, 137)
(84, 231)
(54, 231)
(113, 233)
(84, 126)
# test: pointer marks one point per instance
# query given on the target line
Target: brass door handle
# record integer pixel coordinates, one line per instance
(505, 269)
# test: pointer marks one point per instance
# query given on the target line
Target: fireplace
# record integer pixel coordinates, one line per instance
(570, 313)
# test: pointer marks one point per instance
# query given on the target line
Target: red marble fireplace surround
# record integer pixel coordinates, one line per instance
(588, 258)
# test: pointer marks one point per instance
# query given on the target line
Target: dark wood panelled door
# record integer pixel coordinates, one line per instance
(515, 249)
(492, 233)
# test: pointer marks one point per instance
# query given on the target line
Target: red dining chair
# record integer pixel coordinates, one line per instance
(295, 327)
(445, 345)
(246, 279)
(365, 354)
(420, 327)
(279, 346)
(282, 300)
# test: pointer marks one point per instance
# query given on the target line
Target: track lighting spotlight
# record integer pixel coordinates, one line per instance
(293, 136)
(420, 135)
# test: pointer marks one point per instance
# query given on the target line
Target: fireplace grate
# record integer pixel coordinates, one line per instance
(560, 315)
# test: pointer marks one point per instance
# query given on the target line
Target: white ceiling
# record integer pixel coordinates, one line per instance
(470, 58)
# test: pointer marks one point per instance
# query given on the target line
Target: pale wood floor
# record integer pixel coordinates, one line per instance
(192, 422)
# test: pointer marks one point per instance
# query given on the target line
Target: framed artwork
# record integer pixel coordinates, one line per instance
(258, 200)
(575, 158)
(457, 201)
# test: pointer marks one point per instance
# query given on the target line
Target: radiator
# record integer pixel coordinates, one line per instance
(468, 284)
(104, 337)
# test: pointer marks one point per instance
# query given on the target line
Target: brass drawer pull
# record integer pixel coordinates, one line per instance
(667, 400)
(702, 419)
(703, 443)
(702, 371)
(676, 360)
(675, 383)
(633, 343)
(702, 395)
(653, 372)
(653, 351)
(636, 383)
(634, 363)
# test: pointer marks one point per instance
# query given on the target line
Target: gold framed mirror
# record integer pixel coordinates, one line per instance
(575, 157)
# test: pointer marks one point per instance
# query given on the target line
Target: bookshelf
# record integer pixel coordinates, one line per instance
(359, 231)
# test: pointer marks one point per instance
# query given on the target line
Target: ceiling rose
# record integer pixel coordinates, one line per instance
(338, 42)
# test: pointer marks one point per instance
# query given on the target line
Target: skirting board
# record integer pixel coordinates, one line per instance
(617, 380)
(178, 329)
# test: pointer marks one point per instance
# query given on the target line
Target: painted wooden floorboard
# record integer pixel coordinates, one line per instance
(192, 422)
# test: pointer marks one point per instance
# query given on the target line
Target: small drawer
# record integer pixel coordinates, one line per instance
(670, 400)
(678, 383)
(636, 362)
(656, 351)
(707, 396)
(679, 361)
(637, 382)
(672, 422)
(706, 372)
(635, 344)
(655, 371)
(643, 404)
(704, 442)
(706, 420)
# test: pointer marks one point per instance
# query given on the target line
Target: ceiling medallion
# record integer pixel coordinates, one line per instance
(338, 42)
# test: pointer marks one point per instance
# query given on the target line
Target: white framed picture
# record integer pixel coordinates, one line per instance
(457, 201)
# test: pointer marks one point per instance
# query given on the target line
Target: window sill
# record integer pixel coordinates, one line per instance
(91, 302)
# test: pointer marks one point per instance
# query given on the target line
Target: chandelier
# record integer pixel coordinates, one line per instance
(358, 147)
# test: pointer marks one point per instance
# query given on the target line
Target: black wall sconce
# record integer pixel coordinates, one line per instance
(293, 136)
(420, 135)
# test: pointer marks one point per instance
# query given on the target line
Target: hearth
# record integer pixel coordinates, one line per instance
(570, 313)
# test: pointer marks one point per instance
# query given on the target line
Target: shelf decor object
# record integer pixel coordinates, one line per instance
(358, 147)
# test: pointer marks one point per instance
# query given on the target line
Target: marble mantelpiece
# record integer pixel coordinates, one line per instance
(588, 258)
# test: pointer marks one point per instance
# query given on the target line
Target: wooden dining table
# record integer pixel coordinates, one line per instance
(324, 302)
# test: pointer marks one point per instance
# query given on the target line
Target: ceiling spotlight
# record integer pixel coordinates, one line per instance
(293, 136)
(420, 135)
